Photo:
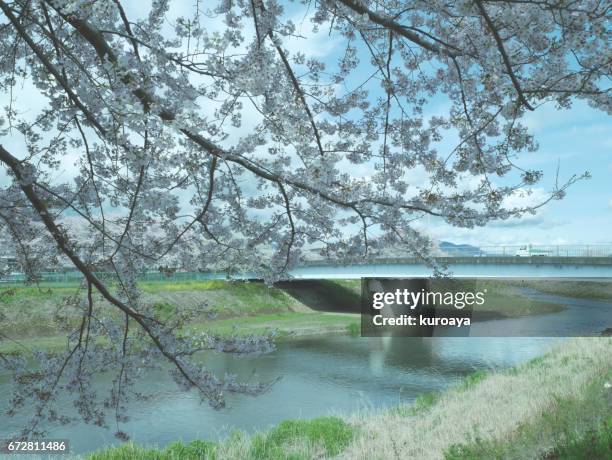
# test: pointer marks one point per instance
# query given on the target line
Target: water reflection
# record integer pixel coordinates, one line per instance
(320, 375)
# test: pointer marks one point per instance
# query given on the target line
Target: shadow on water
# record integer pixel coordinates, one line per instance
(322, 295)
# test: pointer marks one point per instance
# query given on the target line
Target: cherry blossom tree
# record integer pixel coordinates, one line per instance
(219, 139)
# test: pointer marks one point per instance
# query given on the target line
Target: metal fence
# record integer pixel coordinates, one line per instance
(528, 250)
(71, 277)
(514, 251)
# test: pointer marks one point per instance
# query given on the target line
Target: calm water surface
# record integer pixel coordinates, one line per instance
(319, 376)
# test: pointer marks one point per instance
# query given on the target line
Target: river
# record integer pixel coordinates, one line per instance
(320, 375)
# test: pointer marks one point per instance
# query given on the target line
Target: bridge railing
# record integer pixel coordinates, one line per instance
(526, 250)
(553, 250)
(513, 251)
(71, 277)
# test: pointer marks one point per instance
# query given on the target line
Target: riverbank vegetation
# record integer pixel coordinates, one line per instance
(502, 298)
(572, 288)
(554, 407)
(322, 437)
(32, 317)
(35, 316)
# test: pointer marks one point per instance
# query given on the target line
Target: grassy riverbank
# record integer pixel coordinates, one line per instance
(31, 315)
(503, 298)
(583, 290)
(553, 407)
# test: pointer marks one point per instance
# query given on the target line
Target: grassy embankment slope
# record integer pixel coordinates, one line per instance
(558, 406)
(504, 298)
(582, 290)
(31, 314)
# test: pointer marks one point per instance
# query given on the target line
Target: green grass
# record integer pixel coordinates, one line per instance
(13, 293)
(164, 309)
(353, 329)
(51, 344)
(426, 401)
(29, 312)
(235, 298)
(287, 325)
(578, 427)
(503, 298)
(471, 380)
(575, 289)
(330, 434)
(175, 451)
(195, 285)
(512, 305)
(290, 440)
(352, 285)
(594, 443)
(230, 298)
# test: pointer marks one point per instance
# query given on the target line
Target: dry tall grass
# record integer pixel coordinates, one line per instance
(491, 409)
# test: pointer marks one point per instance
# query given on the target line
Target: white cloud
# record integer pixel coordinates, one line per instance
(525, 197)
(317, 44)
(548, 117)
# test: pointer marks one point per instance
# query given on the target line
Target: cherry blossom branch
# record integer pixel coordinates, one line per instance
(504, 54)
(389, 23)
(60, 237)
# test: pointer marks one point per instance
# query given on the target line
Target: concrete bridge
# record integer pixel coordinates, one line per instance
(588, 262)
(465, 267)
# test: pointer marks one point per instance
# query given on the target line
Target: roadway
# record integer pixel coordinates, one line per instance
(465, 267)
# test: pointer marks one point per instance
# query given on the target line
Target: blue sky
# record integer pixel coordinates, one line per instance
(576, 140)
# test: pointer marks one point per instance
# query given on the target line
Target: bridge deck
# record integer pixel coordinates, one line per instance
(515, 260)
(462, 267)
(485, 267)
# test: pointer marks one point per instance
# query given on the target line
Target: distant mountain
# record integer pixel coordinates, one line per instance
(459, 249)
